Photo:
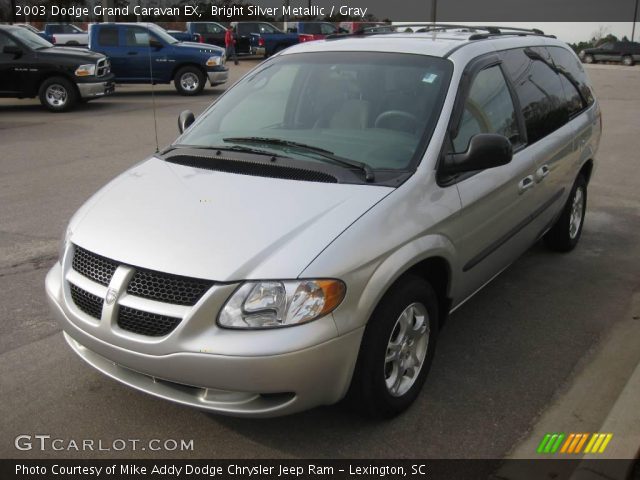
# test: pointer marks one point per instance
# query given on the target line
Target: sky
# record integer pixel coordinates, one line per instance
(572, 32)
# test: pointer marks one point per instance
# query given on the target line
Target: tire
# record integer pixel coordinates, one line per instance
(189, 81)
(589, 59)
(566, 232)
(58, 94)
(378, 389)
(627, 60)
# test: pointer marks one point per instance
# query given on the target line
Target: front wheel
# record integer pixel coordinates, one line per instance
(397, 349)
(589, 59)
(58, 94)
(565, 233)
(627, 60)
(189, 81)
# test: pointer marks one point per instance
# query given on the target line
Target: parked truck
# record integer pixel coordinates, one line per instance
(146, 53)
(206, 32)
(309, 31)
(66, 34)
(261, 38)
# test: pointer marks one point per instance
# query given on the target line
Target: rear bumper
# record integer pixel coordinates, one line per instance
(219, 76)
(239, 385)
(96, 89)
(261, 51)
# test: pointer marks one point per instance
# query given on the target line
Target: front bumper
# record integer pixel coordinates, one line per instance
(261, 385)
(96, 89)
(217, 77)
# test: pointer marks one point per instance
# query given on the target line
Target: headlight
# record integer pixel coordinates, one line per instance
(85, 70)
(213, 61)
(269, 304)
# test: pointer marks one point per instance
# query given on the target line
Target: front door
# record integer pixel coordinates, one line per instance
(9, 76)
(492, 229)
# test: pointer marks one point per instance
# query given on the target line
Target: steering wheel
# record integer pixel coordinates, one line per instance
(406, 118)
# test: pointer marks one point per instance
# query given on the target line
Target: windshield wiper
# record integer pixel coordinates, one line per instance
(368, 171)
(235, 148)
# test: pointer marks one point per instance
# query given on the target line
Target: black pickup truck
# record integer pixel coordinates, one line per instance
(30, 66)
(625, 52)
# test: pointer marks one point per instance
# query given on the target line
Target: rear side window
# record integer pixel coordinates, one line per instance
(136, 37)
(207, 28)
(247, 28)
(539, 90)
(488, 109)
(570, 67)
(108, 36)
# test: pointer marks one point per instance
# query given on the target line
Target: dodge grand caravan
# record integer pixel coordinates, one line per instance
(305, 238)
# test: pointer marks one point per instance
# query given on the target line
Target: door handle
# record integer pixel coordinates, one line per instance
(525, 184)
(542, 172)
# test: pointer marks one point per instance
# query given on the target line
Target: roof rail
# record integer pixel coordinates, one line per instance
(479, 31)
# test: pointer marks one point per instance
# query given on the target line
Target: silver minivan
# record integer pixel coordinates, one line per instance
(306, 237)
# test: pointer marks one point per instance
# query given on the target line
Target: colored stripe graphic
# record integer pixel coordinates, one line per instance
(543, 443)
(550, 443)
(574, 443)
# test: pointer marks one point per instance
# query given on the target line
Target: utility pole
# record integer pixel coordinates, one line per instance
(434, 10)
(635, 17)
(286, 16)
(12, 13)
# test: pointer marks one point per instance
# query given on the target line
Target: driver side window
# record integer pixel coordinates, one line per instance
(488, 109)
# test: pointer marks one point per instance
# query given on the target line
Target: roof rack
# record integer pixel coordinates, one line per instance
(479, 31)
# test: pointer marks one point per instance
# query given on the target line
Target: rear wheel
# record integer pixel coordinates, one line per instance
(565, 233)
(58, 94)
(627, 60)
(397, 349)
(189, 81)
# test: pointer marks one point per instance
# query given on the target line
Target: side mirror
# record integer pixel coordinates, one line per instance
(486, 150)
(12, 50)
(185, 119)
(155, 44)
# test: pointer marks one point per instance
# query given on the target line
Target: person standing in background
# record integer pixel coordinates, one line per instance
(230, 44)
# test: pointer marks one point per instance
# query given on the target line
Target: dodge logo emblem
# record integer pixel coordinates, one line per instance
(112, 294)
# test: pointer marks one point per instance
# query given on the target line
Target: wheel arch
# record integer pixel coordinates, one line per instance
(430, 257)
(51, 74)
(587, 169)
(188, 64)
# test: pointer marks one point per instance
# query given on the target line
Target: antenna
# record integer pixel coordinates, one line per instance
(153, 94)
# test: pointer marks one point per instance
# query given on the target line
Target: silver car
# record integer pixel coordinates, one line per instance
(306, 237)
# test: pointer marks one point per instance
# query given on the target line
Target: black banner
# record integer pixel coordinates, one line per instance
(330, 10)
(556, 469)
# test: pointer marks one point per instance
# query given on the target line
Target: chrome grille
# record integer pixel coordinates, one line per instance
(87, 302)
(103, 67)
(145, 323)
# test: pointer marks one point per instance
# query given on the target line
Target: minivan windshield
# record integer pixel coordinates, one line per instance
(372, 108)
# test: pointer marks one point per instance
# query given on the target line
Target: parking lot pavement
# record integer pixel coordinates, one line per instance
(505, 357)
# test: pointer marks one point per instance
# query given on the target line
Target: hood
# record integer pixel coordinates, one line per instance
(215, 225)
(200, 47)
(73, 54)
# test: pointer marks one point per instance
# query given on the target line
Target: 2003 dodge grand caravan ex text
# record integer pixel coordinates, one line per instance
(304, 239)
